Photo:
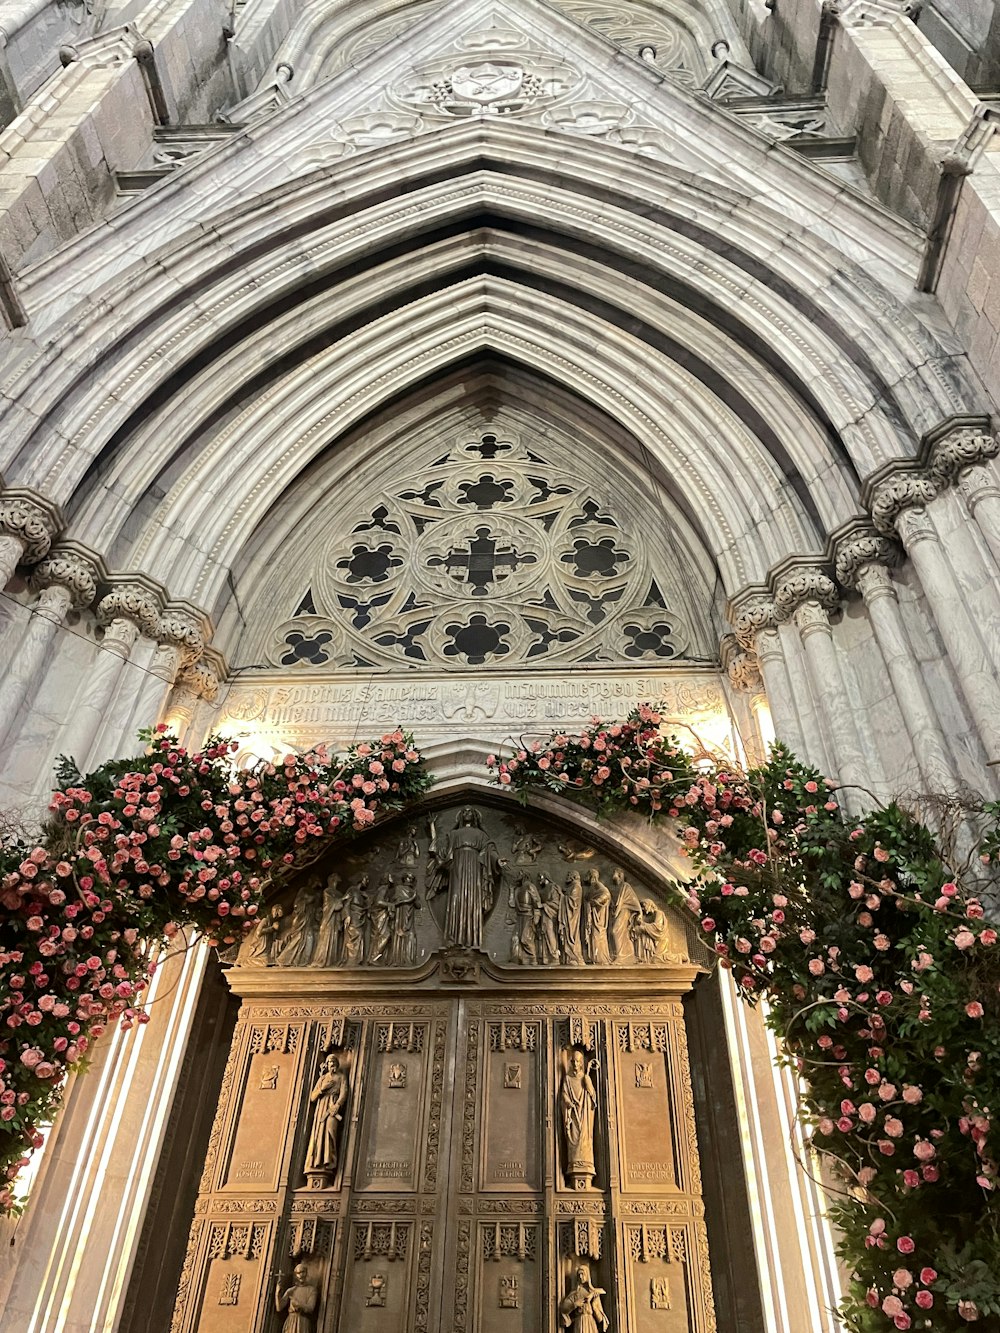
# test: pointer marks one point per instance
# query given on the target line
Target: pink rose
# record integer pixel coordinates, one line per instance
(902, 1278)
(905, 1245)
(927, 1276)
(924, 1299)
(974, 1009)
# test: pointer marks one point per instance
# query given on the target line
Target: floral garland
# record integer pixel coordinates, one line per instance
(881, 977)
(879, 969)
(133, 853)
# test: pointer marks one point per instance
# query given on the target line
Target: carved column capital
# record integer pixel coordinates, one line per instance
(811, 617)
(133, 601)
(184, 628)
(949, 454)
(65, 567)
(897, 494)
(30, 520)
(874, 581)
(756, 614)
(801, 585)
(978, 483)
(859, 550)
(744, 673)
(201, 678)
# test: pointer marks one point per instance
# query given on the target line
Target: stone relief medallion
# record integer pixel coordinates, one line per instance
(468, 878)
(496, 72)
(489, 551)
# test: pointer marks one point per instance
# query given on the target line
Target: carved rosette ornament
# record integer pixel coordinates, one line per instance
(893, 496)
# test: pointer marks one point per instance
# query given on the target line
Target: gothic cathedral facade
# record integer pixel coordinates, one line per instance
(479, 367)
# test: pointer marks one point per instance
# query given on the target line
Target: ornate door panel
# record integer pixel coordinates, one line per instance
(471, 1143)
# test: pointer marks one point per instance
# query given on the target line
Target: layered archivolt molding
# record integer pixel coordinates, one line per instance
(222, 334)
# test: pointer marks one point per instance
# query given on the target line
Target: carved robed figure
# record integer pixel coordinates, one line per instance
(328, 1096)
(581, 1310)
(465, 862)
(577, 1105)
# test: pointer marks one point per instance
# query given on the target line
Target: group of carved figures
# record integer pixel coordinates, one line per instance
(581, 922)
(334, 926)
(586, 922)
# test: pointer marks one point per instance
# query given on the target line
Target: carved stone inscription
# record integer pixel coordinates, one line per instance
(645, 1127)
(511, 1139)
(272, 1062)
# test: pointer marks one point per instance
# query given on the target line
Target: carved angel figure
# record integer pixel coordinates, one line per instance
(581, 1310)
(300, 1300)
(464, 862)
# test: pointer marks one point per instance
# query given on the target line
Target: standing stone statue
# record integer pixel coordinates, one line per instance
(300, 943)
(381, 915)
(581, 1310)
(354, 924)
(548, 924)
(330, 938)
(625, 913)
(328, 1096)
(465, 862)
(404, 939)
(598, 909)
(300, 1300)
(525, 908)
(577, 1107)
(570, 912)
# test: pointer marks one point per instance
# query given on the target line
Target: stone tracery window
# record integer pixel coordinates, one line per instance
(490, 554)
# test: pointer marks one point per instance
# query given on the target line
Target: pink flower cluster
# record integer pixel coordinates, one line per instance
(137, 852)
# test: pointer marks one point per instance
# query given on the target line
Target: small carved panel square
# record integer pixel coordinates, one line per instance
(512, 1076)
(376, 1290)
(397, 1075)
(509, 1294)
(269, 1078)
(230, 1293)
(659, 1293)
(643, 1074)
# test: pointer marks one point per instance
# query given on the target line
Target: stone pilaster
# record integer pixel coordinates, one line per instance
(806, 595)
(755, 620)
(180, 634)
(749, 699)
(898, 503)
(131, 608)
(962, 454)
(65, 579)
(863, 560)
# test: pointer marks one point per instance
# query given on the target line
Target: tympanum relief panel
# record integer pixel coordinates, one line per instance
(470, 877)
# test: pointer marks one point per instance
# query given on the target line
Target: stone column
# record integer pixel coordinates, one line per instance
(962, 454)
(862, 563)
(180, 635)
(743, 671)
(27, 525)
(64, 579)
(126, 612)
(806, 596)
(757, 630)
(898, 504)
